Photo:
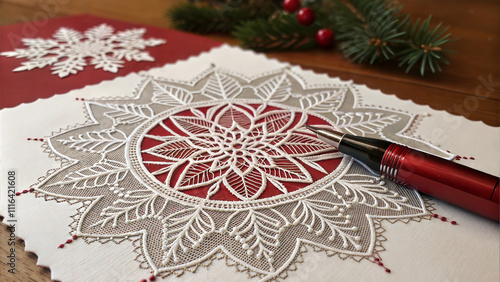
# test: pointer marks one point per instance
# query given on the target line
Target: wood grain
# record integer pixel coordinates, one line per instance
(25, 263)
(469, 87)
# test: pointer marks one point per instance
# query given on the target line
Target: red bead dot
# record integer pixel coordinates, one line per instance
(305, 16)
(443, 218)
(75, 237)
(25, 191)
(152, 278)
(61, 246)
(32, 189)
(41, 139)
(377, 259)
(29, 139)
(472, 158)
(18, 193)
(144, 280)
(454, 222)
(380, 263)
(435, 215)
(387, 270)
(69, 241)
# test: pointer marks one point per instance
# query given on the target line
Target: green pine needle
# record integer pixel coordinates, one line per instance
(220, 18)
(368, 31)
(278, 34)
(423, 46)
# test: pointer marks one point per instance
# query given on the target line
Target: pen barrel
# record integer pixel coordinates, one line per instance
(465, 187)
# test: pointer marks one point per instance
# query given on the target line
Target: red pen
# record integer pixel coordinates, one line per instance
(465, 187)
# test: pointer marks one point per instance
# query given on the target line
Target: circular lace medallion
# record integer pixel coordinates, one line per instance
(247, 154)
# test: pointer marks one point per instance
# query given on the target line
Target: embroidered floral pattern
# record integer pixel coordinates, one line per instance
(69, 50)
(224, 167)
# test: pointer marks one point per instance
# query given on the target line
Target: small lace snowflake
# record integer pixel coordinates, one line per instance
(68, 52)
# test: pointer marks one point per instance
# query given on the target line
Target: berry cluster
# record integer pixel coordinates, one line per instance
(306, 17)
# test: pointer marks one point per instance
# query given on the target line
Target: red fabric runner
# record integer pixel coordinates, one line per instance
(28, 86)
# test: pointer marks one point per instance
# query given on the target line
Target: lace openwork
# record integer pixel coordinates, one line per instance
(223, 167)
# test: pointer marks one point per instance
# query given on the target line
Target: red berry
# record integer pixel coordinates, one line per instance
(291, 6)
(324, 37)
(305, 16)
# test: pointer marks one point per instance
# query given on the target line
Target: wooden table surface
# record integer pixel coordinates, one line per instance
(469, 87)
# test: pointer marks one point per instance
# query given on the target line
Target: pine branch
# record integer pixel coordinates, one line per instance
(368, 31)
(423, 46)
(371, 31)
(222, 17)
(279, 33)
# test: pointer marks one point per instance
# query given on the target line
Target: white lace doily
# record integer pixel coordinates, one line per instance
(207, 163)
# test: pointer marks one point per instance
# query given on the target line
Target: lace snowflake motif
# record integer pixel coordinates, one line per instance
(69, 50)
(160, 169)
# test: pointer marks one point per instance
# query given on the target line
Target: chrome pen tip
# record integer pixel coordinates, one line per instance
(328, 136)
(312, 128)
